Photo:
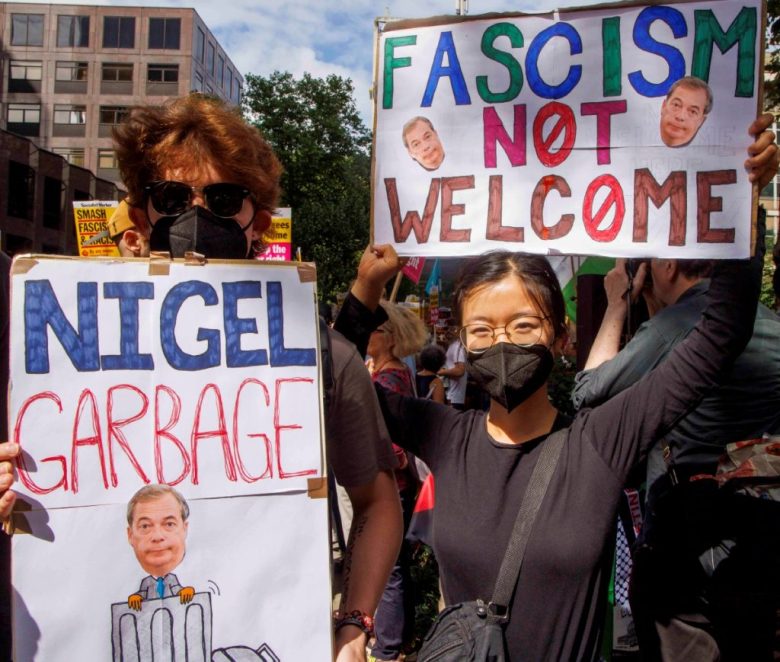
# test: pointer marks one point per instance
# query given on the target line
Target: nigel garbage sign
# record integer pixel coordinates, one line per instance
(204, 378)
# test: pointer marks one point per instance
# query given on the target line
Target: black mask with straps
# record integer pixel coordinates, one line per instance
(197, 229)
(508, 373)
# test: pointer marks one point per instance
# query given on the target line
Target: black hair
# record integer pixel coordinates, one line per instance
(432, 357)
(534, 271)
(695, 268)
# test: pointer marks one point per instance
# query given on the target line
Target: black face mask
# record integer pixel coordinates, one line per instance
(510, 374)
(197, 229)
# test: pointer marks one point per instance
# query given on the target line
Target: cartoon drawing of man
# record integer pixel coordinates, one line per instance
(422, 142)
(157, 531)
(687, 105)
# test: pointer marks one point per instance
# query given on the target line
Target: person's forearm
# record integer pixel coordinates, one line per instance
(607, 342)
(374, 542)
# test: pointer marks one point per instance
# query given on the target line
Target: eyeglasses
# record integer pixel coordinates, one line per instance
(172, 198)
(524, 330)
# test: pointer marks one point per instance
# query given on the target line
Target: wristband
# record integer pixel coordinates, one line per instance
(357, 618)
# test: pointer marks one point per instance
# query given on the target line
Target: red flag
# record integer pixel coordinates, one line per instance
(413, 269)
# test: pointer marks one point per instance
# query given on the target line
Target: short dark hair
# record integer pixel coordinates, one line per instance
(695, 268)
(534, 271)
(432, 357)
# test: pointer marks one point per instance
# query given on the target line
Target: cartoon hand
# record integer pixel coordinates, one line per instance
(185, 595)
(134, 601)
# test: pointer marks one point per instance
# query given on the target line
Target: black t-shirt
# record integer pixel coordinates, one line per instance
(558, 608)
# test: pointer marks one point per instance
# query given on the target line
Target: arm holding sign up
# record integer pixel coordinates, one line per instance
(591, 388)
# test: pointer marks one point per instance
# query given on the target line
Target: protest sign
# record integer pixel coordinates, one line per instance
(204, 377)
(91, 217)
(278, 237)
(552, 133)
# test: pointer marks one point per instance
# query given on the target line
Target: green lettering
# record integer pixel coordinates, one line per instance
(612, 65)
(392, 62)
(743, 30)
(515, 70)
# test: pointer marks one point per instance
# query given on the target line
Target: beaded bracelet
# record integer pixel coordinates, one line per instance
(357, 618)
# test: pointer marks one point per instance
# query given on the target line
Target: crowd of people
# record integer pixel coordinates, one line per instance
(702, 373)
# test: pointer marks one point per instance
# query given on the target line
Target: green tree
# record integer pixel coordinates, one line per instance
(772, 61)
(318, 135)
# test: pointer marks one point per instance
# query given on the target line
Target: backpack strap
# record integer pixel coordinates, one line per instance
(521, 532)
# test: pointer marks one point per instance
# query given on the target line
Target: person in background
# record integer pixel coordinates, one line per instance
(403, 334)
(199, 178)
(455, 370)
(691, 589)
(429, 385)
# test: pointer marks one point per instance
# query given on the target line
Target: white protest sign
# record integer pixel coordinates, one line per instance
(552, 133)
(205, 377)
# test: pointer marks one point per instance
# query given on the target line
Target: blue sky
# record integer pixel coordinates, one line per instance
(317, 36)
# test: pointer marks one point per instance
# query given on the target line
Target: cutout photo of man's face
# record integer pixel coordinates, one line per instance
(682, 114)
(423, 144)
(158, 534)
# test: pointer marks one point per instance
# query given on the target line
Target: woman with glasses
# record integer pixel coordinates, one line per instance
(511, 314)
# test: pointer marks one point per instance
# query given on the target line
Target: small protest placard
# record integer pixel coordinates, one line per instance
(91, 217)
(616, 130)
(128, 374)
(278, 237)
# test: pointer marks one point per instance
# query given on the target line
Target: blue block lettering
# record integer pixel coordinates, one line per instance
(128, 357)
(42, 310)
(453, 71)
(674, 58)
(280, 355)
(236, 326)
(535, 82)
(169, 313)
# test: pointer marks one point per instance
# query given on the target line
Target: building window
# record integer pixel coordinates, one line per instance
(21, 190)
(107, 159)
(221, 71)
(52, 202)
(163, 73)
(164, 33)
(71, 71)
(24, 113)
(200, 45)
(209, 89)
(229, 86)
(117, 72)
(112, 114)
(25, 76)
(119, 32)
(73, 155)
(210, 59)
(27, 29)
(26, 70)
(72, 31)
(70, 114)
(198, 84)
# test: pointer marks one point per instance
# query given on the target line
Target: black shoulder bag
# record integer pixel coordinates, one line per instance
(474, 631)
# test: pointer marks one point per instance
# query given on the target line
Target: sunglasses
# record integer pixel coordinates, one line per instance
(172, 198)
